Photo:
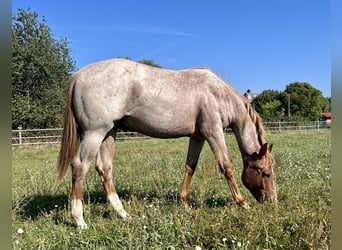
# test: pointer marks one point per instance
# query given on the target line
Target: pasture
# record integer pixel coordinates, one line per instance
(148, 176)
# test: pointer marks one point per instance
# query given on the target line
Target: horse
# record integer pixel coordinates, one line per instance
(118, 93)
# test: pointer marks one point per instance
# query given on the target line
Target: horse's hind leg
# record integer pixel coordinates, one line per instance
(104, 169)
(80, 165)
(195, 147)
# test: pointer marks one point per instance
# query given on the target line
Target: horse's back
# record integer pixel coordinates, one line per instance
(154, 101)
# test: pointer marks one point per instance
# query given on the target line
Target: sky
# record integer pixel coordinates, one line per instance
(251, 44)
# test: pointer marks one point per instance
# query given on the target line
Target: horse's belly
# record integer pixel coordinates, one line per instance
(160, 126)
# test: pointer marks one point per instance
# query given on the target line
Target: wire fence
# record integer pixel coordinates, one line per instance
(22, 137)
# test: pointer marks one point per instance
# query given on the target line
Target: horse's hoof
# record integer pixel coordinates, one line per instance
(82, 226)
(186, 205)
(244, 205)
(124, 215)
(127, 217)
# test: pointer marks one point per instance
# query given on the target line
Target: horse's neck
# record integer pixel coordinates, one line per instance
(234, 114)
(246, 135)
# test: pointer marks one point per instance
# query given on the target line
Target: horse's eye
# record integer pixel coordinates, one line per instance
(265, 175)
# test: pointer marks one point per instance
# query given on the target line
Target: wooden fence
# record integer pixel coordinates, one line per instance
(21, 137)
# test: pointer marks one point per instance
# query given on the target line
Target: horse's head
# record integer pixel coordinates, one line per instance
(258, 175)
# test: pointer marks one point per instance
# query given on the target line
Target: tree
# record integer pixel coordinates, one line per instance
(143, 61)
(269, 104)
(41, 66)
(299, 101)
(326, 104)
(304, 101)
(149, 62)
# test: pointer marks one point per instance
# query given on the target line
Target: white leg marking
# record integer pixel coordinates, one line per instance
(117, 205)
(77, 213)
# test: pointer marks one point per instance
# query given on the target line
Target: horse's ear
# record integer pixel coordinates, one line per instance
(262, 150)
(270, 148)
(253, 157)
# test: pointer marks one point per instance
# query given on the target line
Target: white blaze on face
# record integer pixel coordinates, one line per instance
(77, 213)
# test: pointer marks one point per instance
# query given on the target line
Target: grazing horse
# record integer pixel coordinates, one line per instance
(112, 94)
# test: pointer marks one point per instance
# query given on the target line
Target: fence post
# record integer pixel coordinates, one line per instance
(279, 125)
(20, 136)
(317, 124)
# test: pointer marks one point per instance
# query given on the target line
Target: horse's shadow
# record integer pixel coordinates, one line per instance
(37, 205)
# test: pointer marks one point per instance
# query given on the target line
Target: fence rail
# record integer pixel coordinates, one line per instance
(288, 126)
(21, 137)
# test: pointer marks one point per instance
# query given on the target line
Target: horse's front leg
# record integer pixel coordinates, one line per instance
(227, 170)
(194, 150)
(104, 169)
(219, 148)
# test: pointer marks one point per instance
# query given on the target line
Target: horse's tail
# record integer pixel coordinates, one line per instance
(70, 136)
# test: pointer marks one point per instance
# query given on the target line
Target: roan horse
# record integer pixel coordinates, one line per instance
(108, 95)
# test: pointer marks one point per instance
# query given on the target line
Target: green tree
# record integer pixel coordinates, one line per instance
(326, 104)
(149, 62)
(41, 66)
(143, 61)
(269, 104)
(305, 101)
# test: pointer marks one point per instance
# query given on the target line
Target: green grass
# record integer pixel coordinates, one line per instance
(148, 176)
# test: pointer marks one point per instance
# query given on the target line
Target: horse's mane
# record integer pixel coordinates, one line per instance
(257, 121)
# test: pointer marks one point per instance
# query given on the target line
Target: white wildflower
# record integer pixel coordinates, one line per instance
(149, 206)
(16, 242)
(20, 231)
(224, 240)
(198, 248)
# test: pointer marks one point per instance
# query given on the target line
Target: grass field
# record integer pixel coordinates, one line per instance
(148, 176)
